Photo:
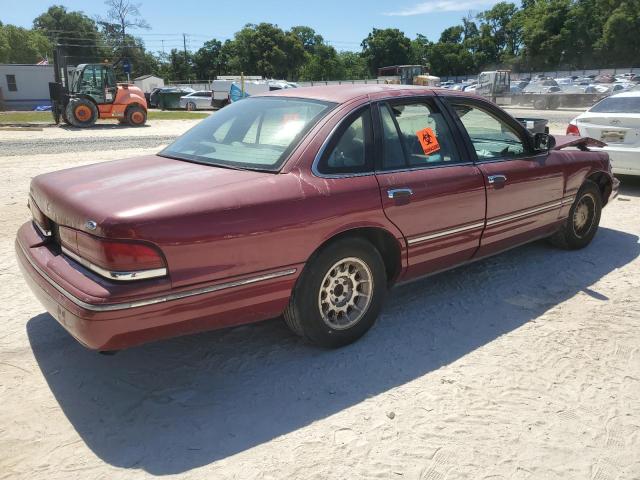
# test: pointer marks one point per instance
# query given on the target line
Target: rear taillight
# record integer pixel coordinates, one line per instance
(114, 259)
(573, 130)
(41, 221)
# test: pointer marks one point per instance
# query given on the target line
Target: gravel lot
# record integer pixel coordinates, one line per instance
(522, 366)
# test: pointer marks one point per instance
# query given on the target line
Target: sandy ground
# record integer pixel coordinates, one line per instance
(102, 129)
(522, 366)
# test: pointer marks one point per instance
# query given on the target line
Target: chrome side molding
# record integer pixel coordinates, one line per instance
(444, 233)
(109, 307)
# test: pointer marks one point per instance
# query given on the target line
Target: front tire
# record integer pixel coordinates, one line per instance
(583, 220)
(339, 294)
(81, 113)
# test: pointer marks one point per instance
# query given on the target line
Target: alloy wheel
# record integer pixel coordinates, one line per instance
(345, 293)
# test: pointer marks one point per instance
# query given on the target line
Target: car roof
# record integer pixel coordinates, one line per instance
(345, 93)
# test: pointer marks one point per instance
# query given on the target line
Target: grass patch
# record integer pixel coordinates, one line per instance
(175, 115)
(26, 117)
(46, 117)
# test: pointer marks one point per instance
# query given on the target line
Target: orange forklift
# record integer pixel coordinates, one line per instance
(90, 91)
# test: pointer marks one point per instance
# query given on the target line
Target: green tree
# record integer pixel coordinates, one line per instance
(322, 64)
(505, 26)
(74, 30)
(353, 66)
(620, 41)
(307, 37)
(452, 34)
(20, 45)
(209, 60)
(265, 49)
(544, 33)
(420, 47)
(385, 47)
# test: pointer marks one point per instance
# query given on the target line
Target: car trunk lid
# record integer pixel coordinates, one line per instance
(110, 199)
(620, 129)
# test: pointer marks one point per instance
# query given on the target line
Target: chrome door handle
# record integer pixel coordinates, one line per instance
(497, 178)
(399, 192)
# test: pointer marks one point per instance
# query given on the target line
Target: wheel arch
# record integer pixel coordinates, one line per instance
(85, 97)
(135, 104)
(383, 240)
(604, 182)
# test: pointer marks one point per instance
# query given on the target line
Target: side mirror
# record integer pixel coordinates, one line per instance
(544, 142)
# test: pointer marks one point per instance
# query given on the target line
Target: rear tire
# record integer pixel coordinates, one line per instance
(339, 294)
(583, 220)
(81, 113)
(136, 116)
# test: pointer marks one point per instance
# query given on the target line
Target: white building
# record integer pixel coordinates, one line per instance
(147, 83)
(23, 87)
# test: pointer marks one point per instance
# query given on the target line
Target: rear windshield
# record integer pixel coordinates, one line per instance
(255, 133)
(618, 105)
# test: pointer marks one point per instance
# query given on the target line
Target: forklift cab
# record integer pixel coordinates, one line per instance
(96, 80)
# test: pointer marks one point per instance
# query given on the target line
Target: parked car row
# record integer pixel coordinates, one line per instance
(221, 95)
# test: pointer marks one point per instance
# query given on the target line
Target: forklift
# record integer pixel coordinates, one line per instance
(81, 95)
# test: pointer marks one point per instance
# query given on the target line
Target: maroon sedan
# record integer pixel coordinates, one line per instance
(308, 202)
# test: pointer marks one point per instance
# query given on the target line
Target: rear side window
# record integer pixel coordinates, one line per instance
(617, 105)
(350, 149)
(415, 135)
(255, 133)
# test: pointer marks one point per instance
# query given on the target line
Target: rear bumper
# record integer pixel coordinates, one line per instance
(115, 326)
(624, 161)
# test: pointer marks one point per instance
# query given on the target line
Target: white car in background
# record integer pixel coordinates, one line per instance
(614, 120)
(196, 100)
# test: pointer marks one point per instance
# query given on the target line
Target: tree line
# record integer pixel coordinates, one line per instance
(537, 35)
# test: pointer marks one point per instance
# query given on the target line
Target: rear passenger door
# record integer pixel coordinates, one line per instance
(429, 187)
(524, 189)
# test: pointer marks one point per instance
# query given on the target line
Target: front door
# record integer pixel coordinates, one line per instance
(524, 189)
(430, 189)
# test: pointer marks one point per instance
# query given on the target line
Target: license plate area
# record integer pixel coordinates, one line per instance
(613, 136)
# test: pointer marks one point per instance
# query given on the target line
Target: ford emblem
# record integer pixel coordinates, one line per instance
(91, 225)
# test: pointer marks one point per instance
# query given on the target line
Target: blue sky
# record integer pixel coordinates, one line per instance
(343, 23)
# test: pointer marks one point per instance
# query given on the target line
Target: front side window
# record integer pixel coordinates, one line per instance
(415, 135)
(492, 138)
(350, 149)
(257, 133)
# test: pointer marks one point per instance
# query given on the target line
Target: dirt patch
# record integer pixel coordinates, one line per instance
(522, 366)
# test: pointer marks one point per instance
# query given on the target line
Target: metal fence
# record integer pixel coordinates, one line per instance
(552, 74)
(207, 84)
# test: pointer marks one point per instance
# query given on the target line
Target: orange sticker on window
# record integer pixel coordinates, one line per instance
(428, 141)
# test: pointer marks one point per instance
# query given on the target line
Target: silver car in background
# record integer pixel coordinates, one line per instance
(200, 100)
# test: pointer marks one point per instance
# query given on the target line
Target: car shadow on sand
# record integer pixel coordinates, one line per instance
(179, 404)
(629, 186)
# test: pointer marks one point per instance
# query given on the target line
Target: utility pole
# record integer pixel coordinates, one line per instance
(186, 63)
